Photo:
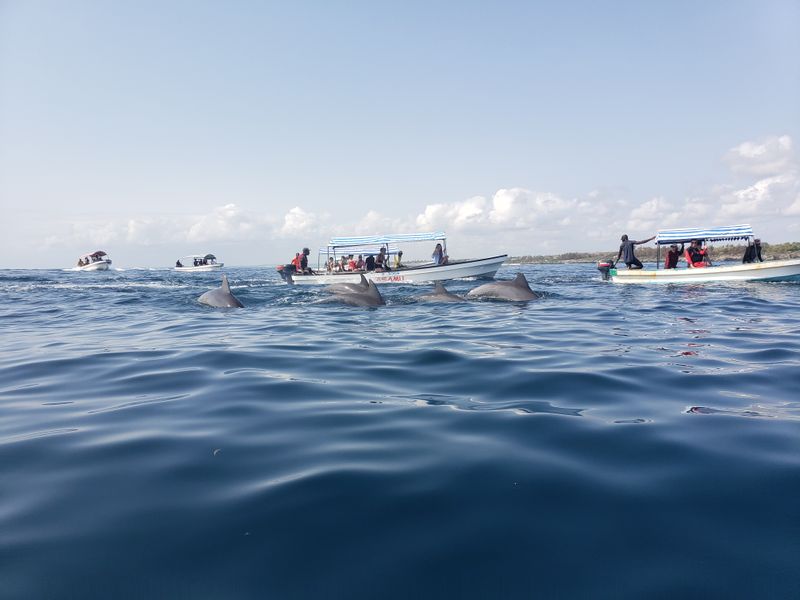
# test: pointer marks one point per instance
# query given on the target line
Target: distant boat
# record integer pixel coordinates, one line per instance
(771, 270)
(198, 263)
(94, 261)
(413, 273)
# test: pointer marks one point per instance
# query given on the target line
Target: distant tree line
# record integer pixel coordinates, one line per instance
(648, 253)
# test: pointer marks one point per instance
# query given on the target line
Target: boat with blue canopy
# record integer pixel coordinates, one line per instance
(770, 270)
(392, 244)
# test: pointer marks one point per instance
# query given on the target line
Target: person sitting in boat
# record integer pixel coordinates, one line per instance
(671, 260)
(753, 252)
(304, 268)
(178, 263)
(296, 263)
(369, 264)
(342, 264)
(439, 257)
(627, 253)
(351, 263)
(697, 256)
(381, 264)
(360, 263)
(398, 260)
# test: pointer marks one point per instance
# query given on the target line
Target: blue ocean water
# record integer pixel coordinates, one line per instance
(605, 441)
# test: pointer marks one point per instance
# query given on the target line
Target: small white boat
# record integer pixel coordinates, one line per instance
(413, 273)
(771, 270)
(198, 263)
(94, 261)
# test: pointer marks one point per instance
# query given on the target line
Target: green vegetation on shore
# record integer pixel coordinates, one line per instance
(648, 253)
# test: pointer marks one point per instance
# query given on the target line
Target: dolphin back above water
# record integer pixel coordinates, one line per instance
(221, 297)
(440, 294)
(515, 290)
(355, 294)
(348, 288)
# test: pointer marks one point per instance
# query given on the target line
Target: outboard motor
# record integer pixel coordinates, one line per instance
(605, 266)
(286, 271)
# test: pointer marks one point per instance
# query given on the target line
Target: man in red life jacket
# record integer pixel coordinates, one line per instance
(697, 256)
(296, 263)
(671, 260)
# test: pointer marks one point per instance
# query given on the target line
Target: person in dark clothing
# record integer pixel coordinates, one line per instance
(304, 262)
(753, 252)
(381, 264)
(369, 264)
(627, 254)
(671, 261)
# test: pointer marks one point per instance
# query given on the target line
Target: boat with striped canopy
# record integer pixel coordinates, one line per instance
(771, 270)
(414, 272)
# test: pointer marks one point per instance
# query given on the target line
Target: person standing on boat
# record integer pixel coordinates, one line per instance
(753, 252)
(627, 253)
(671, 260)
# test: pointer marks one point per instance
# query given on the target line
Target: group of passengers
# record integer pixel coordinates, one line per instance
(374, 262)
(82, 262)
(696, 255)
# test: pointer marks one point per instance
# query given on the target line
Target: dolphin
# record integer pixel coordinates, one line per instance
(347, 288)
(515, 290)
(359, 296)
(221, 297)
(440, 294)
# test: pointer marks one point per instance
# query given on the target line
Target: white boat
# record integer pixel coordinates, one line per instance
(94, 261)
(198, 263)
(771, 270)
(413, 273)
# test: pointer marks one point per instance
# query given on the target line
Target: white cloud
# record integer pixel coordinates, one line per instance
(298, 222)
(769, 156)
(763, 189)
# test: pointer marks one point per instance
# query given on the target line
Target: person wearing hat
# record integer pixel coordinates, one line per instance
(671, 260)
(398, 260)
(753, 252)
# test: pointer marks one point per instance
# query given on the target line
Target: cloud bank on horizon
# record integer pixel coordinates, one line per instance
(763, 188)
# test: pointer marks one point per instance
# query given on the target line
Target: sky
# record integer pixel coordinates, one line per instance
(157, 129)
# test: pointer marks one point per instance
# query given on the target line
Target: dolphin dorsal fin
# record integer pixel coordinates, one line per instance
(225, 287)
(363, 282)
(439, 288)
(520, 281)
(373, 289)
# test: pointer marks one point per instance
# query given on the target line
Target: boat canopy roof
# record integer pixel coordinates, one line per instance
(396, 238)
(206, 256)
(712, 234)
(95, 254)
(356, 250)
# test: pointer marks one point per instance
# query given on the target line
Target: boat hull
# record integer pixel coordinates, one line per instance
(201, 268)
(99, 265)
(481, 267)
(773, 270)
